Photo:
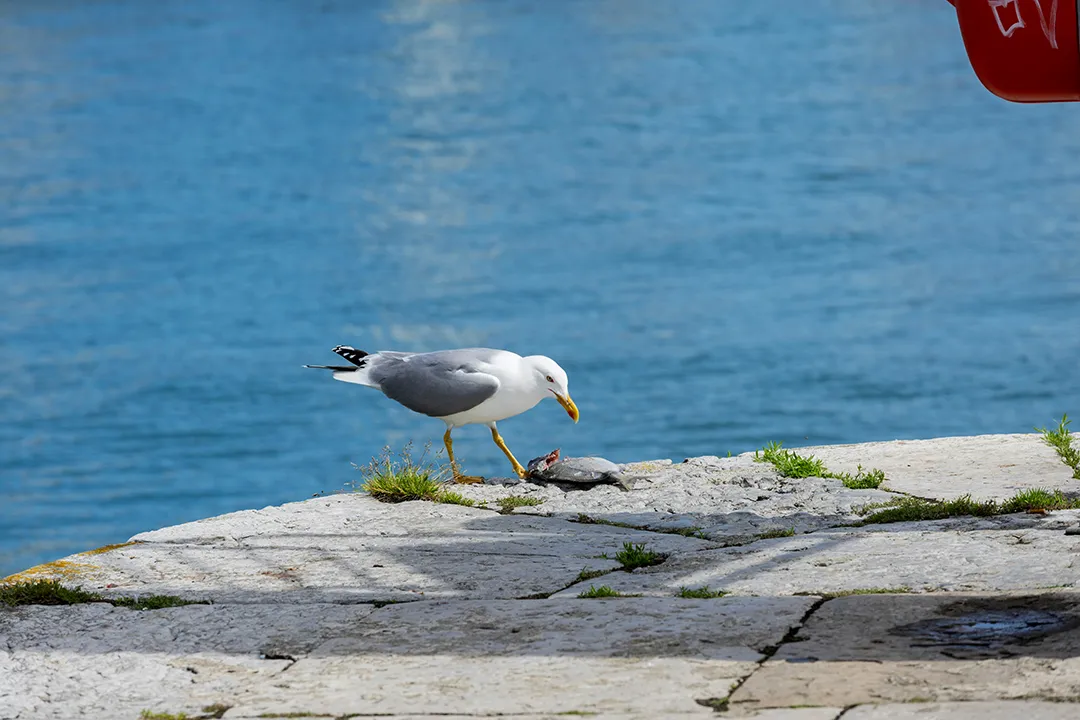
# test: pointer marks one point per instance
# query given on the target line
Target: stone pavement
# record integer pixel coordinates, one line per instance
(343, 606)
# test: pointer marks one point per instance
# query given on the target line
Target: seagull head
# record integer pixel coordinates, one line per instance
(550, 378)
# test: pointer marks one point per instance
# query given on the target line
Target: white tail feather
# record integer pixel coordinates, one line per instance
(357, 377)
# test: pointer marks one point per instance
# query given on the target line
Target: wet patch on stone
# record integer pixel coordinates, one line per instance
(991, 628)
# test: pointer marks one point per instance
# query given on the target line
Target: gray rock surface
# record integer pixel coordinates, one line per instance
(918, 648)
(726, 499)
(997, 710)
(485, 616)
(351, 548)
(986, 466)
(1009, 552)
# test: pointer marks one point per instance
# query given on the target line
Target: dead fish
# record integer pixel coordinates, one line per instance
(576, 471)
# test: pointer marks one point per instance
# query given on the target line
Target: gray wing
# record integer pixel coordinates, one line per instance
(437, 383)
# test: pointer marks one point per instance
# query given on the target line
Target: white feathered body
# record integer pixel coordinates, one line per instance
(517, 392)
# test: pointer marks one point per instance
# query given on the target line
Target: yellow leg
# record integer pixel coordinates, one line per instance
(458, 477)
(506, 451)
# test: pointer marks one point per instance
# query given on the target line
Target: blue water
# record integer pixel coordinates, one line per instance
(730, 222)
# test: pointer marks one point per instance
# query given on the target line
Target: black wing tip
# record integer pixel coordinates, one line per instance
(351, 354)
(335, 368)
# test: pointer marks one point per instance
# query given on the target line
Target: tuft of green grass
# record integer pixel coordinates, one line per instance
(903, 590)
(789, 463)
(601, 592)
(909, 509)
(402, 479)
(210, 712)
(587, 574)
(633, 556)
(1060, 439)
(861, 480)
(44, 592)
(507, 504)
(152, 602)
(1037, 499)
(701, 592)
(693, 531)
(452, 498)
(871, 507)
(776, 533)
(51, 592)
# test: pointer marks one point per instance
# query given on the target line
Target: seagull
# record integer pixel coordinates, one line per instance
(460, 387)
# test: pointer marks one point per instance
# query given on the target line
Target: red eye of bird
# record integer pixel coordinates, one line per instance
(550, 379)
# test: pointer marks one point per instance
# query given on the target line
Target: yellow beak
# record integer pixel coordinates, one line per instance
(569, 406)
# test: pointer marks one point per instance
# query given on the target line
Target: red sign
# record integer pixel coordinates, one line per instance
(1023, 50)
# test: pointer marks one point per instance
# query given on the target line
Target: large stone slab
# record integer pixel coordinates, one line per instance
(997, 710)
(625, 655)
(286, 638)
(539, 656)
(351, 548)
(98, 661)
(917, 648)
(984, 466)
(727, 499)
(699, 713)
(1009, 552)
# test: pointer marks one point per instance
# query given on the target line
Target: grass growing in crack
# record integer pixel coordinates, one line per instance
(44, 592)
(51, 592)
(507, 504)
(587, 574)
(602, 592)
(717, 704)
(776, 533)
(910, 509)
(589, 520)
(790, 464)
(860, 591)
(694, 532)
(1036, 499)
(633, 556)
(210, 712)
(393, 480)
(861, 480)
(452, 498)
(152, 602)
(1060, 439)
(700, 593)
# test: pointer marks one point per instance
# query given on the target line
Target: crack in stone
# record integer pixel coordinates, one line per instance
(280, 656)
(769, 652)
